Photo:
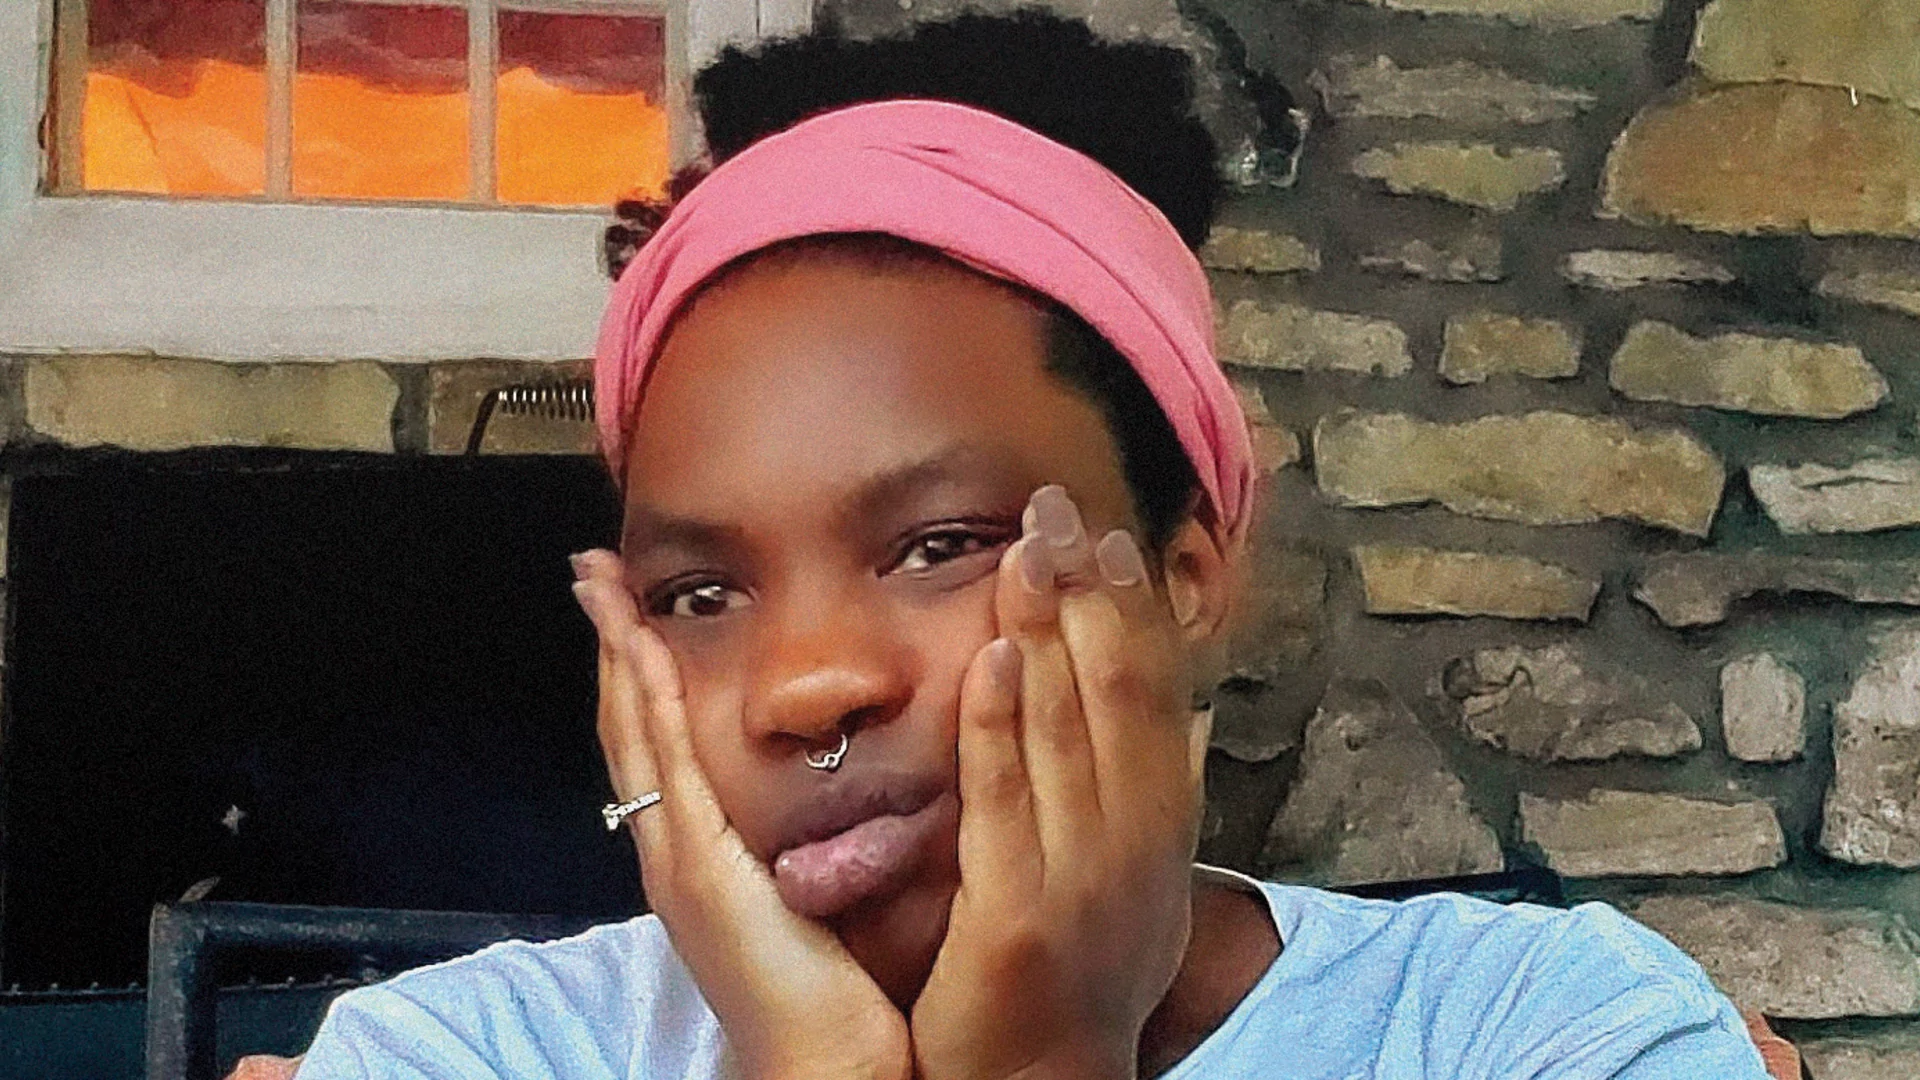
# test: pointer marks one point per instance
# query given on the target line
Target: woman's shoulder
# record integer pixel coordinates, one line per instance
(579, 1007)
(1442, 931)
(1448, 983)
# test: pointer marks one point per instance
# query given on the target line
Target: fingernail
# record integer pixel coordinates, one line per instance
(1119, 559)
(1036, 569)
(1003, 665)
(583, 592)
(1058, 519)
(578, 560)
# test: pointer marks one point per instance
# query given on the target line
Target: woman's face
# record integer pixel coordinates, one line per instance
(830, 459)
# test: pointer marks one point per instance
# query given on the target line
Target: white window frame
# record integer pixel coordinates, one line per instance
(232, 280)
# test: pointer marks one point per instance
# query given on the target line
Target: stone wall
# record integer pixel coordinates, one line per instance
(1584, 351)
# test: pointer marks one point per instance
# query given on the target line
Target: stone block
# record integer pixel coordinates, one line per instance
(1746, 373)
(456, 389)
(1552, 704)
(1274, 446)
(1872, 813)
(1541, 468)
(1791, 962)
(1785, 158)
(1458, 93)
(1257, 251)
(1549, 14)
(1868, 46)
(1867, 496)
(149, 403)
(1485, 343)
(1883, 1056)
(1273, 655)
(1617, 271)
(1375, 800)
(1763, 707)
(1700, 588)
(1893, 289)
(1480, 175)
(1422, 581)
(1473, 258)
(1642, 834)
(1288, 337)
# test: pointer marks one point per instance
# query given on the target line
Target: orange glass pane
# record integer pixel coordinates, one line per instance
(380, 102)
(582, 117)
(176, 97)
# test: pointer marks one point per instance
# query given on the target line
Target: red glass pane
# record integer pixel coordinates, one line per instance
(582, 108)
(176, 97)
(380, 101)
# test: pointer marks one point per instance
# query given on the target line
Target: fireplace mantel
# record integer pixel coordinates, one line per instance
(149, 403)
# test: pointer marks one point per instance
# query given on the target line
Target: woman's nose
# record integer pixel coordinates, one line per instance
(824, 672)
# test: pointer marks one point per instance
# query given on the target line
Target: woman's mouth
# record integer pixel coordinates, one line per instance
(871, 859)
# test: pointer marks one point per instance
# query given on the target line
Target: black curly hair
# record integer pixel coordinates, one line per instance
(1127, 105)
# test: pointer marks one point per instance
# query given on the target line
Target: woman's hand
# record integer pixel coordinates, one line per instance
(1080, 781)
(792, 1001)
(264, 1067)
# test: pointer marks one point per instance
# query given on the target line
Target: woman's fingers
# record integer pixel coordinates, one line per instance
(1053, 729)
(649, 711)
(622, 723)
(1053, 960)
(1129, 680)
(1104, 703)
(686, 795)
(999, 848)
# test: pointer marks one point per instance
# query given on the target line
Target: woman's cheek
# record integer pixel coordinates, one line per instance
(710, 655)
(947, 632)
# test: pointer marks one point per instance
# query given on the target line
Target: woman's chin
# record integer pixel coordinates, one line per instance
(897, 939)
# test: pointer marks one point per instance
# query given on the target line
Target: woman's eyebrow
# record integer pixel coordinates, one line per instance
(951, 467)
(647, 528)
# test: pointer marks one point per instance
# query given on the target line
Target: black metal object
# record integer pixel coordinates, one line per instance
(184, 940)
(551, 399)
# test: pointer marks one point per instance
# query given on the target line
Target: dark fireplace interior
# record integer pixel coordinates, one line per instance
(321, 679)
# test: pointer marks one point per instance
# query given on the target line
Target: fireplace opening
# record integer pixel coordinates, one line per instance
(321, 679)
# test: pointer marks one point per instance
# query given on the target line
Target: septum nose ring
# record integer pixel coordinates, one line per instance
(830, 760)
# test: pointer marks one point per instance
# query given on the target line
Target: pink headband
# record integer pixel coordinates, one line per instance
(998, 197)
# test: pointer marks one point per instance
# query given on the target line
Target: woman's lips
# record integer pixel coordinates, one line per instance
(873, 859)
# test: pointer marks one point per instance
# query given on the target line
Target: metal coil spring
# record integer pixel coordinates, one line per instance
(548, 399)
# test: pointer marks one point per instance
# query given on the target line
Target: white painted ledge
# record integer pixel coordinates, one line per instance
(251, 281)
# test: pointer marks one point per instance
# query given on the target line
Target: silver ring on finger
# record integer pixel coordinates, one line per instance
(615, 813)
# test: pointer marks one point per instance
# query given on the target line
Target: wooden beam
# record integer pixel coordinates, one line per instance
(483, 100)
(67, 105)
(282, 54)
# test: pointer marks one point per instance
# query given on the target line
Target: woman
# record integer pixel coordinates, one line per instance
(935, 508)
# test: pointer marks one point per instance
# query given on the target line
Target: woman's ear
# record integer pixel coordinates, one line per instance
(1201, 571)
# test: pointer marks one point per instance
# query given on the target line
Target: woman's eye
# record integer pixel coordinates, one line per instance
(933, 549)
(701, 600)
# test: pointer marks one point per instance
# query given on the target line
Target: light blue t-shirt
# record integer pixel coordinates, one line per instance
(1442, 987)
